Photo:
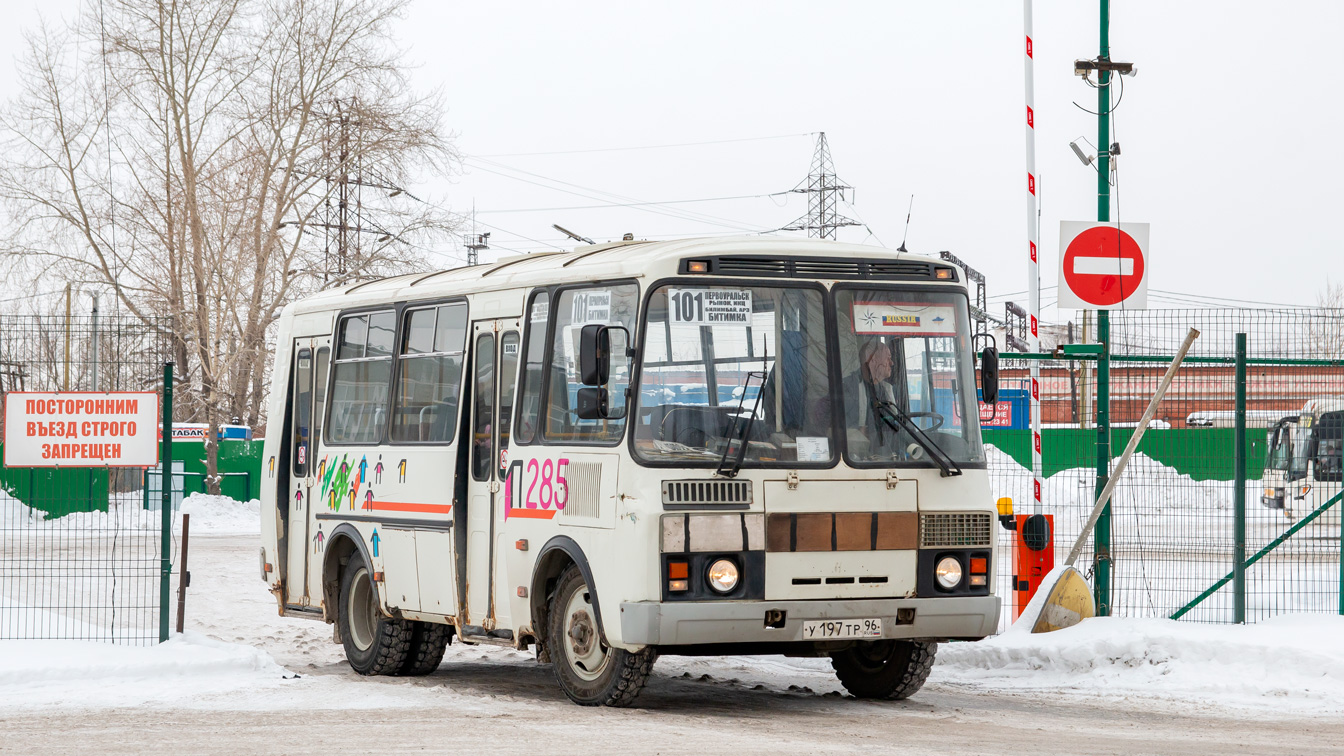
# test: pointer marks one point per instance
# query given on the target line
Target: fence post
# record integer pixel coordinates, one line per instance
(1239, 495)
(1101, 539)
(166, 488)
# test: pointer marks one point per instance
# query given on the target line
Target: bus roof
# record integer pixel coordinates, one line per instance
(615, 260)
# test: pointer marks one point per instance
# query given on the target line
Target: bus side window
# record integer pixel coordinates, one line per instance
(320, 366)
(1330, 447)
(302, 417)
(361, 377)
(610, 304)
(430, 383)
(529, 406)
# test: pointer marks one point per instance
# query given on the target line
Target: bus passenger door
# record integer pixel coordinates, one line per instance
(307, 398)
(494, 369)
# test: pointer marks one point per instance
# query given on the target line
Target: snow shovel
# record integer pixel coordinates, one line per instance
(1064, 598)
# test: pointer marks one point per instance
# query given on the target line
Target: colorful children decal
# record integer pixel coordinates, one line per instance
(378, 471)
(271, 466)
(318, 539)
(401, 471)
(368, 498)
(375, 541)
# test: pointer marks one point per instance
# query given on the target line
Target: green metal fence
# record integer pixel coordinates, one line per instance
(1186, 534)
(80, 555)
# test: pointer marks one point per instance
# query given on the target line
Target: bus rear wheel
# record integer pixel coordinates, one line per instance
(589, 671)
(429, 641)
(890, 669)
(375, 644)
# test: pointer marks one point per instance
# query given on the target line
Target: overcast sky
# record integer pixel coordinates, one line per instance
(1225, 133)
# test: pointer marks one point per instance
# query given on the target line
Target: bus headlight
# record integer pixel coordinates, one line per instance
(723, 575)
(948, 572)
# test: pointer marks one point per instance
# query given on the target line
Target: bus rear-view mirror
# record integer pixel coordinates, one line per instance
(989, 375)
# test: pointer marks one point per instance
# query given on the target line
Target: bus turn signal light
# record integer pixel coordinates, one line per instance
(979, 565)
(697, 266)
(678, 570)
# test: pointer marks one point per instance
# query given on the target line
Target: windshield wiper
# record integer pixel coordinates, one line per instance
(729, 469)
(885, 411)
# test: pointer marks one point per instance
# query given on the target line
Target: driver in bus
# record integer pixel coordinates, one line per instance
(866, 434)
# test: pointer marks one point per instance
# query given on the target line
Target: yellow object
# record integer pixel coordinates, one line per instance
(1005, 507)
(1069, 602)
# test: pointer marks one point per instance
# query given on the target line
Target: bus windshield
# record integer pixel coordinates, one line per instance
(714, 355)
(903, 357)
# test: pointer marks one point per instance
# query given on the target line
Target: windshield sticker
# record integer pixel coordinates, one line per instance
(591, 307)
(540, 309)
(814, 449)
(904, 319)
(709, 306)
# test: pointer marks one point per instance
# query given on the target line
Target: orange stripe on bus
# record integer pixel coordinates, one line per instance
(402, 506)
(535, 514)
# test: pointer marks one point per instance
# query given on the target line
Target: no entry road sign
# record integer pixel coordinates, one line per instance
(1102, 266)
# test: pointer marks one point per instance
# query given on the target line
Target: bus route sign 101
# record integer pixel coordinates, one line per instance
(81, 429)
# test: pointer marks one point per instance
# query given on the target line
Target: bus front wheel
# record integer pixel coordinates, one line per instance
(890, 669)
(589, 671)
(375, 644)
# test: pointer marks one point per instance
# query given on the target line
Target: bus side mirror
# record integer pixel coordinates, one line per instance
(989, 375)
(592, 403)
(594, 355)
(597, 344)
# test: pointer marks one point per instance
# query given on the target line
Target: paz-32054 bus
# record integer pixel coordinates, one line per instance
(744, 446)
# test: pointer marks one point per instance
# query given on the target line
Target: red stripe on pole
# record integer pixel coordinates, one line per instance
(1029, 55)
(1031, 117)
(1031, 183)
(1033, 250)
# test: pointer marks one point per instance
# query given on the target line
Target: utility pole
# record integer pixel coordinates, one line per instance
(824, 192)
(1106, 71)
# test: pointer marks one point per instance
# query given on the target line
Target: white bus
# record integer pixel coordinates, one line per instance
(742, 446)
(1304, 463)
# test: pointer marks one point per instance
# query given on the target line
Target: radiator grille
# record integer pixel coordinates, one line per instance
(716, 493)
(955, 529)
(584, 480)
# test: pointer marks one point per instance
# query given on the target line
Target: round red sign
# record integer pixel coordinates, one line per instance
(1103, 266)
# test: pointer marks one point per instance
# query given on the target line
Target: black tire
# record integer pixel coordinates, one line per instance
(429, 640)
(589, 671)
(890, 669)
(375, 644)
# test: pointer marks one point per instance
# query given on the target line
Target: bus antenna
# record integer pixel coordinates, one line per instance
(571, 234)
(906, 233)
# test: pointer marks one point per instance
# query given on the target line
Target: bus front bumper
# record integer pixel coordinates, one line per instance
(651, 623)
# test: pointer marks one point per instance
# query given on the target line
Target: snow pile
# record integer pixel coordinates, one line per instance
(216, 515)
(1292, 663)
(220, 515)
(38, 673)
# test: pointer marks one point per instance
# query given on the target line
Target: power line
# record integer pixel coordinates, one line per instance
(681, 215)
(632, 204)
(644, 147)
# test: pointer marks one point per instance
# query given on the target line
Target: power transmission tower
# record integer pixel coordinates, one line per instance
(824, 192)
(346, 172)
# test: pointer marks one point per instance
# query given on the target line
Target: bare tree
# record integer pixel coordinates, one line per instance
(179, 154)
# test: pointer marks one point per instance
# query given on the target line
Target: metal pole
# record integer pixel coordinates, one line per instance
(183, 577)
(1033, 265)
(1239, 496)
(65, 384)
(166, 502)
(94, 350)
(1102, 540)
